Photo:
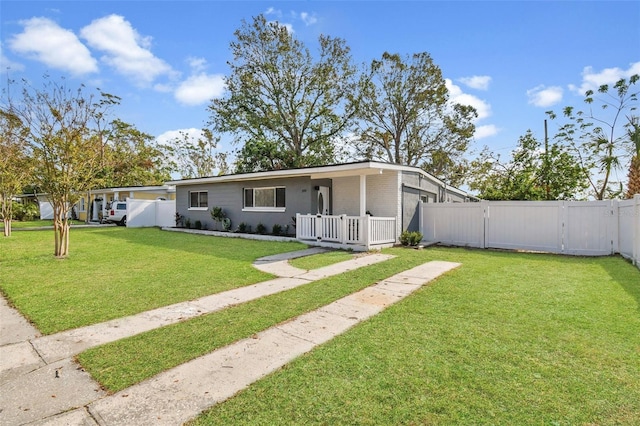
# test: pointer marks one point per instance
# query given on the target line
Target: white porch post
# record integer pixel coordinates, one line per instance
(363, 195)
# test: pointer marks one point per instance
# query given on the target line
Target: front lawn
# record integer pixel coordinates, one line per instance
(506, 339)
(114, 272)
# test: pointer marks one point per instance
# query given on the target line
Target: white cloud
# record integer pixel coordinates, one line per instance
(197, 64)
(486, 131)
(479, 82)
(200, 88)
(170, 135)
(125, 50)
(592, 80)
(456, 95)
(47, 42)
(308, 19)
(542, 96)
(8, 64)
(273, 11)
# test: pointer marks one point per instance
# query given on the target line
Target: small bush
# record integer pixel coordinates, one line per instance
(276, 229)
(243, 228)
(415, 238)
(25, 212)
(410, 238)
(187, 223)
(261, 229)
(198, 225)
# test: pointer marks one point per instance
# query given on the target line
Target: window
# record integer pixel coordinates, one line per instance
(82, 205)
(264, 199)
(198, 200)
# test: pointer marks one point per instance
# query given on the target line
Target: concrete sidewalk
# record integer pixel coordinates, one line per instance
(40, 383)
(38, 377)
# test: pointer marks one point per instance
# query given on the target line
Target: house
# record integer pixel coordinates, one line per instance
(93, 206)
(356, 205)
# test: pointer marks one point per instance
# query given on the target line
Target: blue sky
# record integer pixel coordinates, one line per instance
(166, 59)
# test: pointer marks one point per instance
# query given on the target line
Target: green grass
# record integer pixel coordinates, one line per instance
(125, 362)
(316, 261)
(508, 338)
(114, 272)
(505, 339)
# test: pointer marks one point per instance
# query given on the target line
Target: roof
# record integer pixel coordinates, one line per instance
(317, 172)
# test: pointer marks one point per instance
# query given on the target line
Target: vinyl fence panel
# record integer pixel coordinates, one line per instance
(590, 229)
(453, 223)
(629, 229)
(524, 225)
(147, 213)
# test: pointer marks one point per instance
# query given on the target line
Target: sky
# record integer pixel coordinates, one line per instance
(511, 60)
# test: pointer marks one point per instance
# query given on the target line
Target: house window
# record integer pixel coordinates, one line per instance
(82, 205)
(264, 199)
(198, 200)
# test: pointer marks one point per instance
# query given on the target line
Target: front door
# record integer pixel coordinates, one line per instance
(323, 200)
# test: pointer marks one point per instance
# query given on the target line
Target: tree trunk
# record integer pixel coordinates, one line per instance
(61, 230)
(7, 226)
(634, 177)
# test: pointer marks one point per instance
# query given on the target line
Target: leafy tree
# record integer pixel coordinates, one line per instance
(530, 173)
(406, 117)
(633, 131)
(130, 158)
(195, 157)
(65, 144)
(15, 164)
(282, 99)
(595, 138)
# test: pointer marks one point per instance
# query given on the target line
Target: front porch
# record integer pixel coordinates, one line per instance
(359, 233)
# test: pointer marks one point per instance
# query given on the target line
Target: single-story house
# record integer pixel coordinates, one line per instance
(359, 205)
(96, 202)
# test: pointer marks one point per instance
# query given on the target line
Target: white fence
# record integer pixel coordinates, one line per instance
(590, 228)
(359, 231)
(145, 213)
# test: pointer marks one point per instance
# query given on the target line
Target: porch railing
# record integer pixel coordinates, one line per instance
(364, 231)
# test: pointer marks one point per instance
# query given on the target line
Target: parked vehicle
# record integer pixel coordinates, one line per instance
(117, 213)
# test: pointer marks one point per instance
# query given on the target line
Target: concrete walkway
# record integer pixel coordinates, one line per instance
(40, 383)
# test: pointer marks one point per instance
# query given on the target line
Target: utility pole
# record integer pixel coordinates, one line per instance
(546, 162)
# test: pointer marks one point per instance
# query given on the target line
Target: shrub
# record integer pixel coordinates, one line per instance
(187, 223)
(243, 228)
(261, 229)
(217, 214)
(276, 229)
(410, 238)
(198, 225)
(24, 212)
(415, 238)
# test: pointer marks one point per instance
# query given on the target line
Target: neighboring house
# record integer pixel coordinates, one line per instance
(96, 203)
(93, 205)
(359, 205)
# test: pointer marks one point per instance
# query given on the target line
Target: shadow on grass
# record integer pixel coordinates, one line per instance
(221, 247)
(625, 274)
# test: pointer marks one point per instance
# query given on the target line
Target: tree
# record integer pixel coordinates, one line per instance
(195, 157)
(595, 138)
(65, 145)
(130, 158)
(406, 117)
(530, 173)
(280, 97)
(633, 132)
(15, 164)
